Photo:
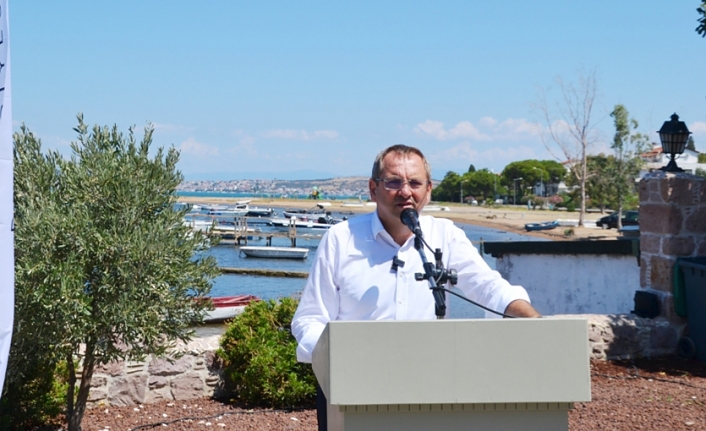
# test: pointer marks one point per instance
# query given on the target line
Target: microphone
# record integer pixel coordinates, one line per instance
(397, 263)
(410, 218)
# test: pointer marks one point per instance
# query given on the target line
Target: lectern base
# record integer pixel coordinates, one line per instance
(451, 417)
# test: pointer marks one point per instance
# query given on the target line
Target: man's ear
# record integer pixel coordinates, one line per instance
(372, 186)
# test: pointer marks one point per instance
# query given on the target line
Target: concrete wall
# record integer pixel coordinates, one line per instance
(574, 284)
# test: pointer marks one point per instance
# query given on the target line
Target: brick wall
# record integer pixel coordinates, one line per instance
(672, 225)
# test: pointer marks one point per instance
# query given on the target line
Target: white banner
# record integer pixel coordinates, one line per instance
(7, 242)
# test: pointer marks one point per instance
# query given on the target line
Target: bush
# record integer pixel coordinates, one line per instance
(36, 398)
(259, 354)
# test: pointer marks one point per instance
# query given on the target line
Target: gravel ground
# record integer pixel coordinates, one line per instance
(666, 393)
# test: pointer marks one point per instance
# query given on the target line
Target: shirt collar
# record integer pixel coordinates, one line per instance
(378, 231)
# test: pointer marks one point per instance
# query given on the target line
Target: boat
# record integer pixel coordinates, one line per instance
(275, 252)
(315, 212)
(259, 212)
(227, 307)
(305, 226)
(547, 225)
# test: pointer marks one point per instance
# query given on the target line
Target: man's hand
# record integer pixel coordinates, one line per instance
(521, 308)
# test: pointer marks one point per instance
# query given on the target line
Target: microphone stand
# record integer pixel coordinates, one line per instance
(436, 274)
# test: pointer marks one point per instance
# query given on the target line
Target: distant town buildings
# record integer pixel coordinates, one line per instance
(344, 186)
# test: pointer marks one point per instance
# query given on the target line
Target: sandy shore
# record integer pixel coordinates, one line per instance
(504, 218)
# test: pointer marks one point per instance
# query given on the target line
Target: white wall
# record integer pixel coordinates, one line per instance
(575, 284)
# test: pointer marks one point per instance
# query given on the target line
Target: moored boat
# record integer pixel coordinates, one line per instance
(547, 225)
(227, 307)
(283, 224)
(275, 252)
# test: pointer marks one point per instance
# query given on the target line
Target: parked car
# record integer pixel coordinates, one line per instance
(630, 218)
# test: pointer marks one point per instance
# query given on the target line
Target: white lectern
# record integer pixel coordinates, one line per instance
(504, 374)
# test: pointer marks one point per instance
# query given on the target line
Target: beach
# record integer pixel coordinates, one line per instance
(507, 218)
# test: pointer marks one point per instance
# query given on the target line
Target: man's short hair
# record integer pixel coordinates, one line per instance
(402, 150)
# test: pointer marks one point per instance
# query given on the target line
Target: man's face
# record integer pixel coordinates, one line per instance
(415, 190)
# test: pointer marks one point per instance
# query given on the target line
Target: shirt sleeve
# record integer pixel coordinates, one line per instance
(319, 301)
(476, 279)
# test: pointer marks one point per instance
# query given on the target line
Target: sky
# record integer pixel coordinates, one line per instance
(309, 89)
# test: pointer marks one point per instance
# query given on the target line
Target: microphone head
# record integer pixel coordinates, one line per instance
(410, 218)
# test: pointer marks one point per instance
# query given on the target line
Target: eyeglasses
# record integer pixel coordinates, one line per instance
(395, 184)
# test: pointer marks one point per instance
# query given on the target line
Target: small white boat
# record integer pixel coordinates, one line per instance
(275, 252)
(303, 226)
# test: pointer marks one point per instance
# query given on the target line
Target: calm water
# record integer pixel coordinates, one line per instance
(276, 287)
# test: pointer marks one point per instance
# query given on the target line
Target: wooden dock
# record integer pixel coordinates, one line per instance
(242, 232)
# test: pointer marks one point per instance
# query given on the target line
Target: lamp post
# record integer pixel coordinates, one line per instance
(514, 190)
(541, 181)
(460, 194)
(673, 136)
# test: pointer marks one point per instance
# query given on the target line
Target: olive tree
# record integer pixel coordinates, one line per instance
(105, 268)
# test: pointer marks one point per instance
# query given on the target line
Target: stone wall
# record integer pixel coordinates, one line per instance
(672, 225)
(197, 374)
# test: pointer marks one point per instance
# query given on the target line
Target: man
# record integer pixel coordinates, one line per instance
(364, 268)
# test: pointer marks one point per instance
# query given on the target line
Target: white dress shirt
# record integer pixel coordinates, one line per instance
(352, 277)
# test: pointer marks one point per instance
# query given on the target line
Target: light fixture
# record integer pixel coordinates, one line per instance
(673, 136)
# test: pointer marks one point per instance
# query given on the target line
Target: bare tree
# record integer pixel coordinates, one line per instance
(570, 126)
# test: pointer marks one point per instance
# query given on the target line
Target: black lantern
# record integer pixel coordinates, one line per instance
(673, 135)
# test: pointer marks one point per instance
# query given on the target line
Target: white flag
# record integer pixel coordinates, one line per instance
(7, 241)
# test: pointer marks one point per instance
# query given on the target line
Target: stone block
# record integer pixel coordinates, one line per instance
(98, 381)
(663, 337)
(96, 395)
(164, 367)
(649, 190)
(625, 342)
(644, 271)
(188, 386)
(678, 190)
(661, 273)
(650, 243)
(696, 221)
(114, 368)
(159, 395)
(128, 390)
(661, 219)
(156, 382)
(678, 245)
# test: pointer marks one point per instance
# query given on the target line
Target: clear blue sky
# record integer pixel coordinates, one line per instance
(278, 87)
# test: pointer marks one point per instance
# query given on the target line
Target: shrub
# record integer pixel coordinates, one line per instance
(37, 397)
(259, 354)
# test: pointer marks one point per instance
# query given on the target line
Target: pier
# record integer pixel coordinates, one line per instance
(240, 232)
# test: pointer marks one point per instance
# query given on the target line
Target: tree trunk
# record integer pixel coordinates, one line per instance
(89, 364)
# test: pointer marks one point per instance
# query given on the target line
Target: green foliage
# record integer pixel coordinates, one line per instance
(259, 354)
(700, 172)
(702, 158)
(40, 396)
(102, 258)
(532, 173)
(448, 190)
(701, 28)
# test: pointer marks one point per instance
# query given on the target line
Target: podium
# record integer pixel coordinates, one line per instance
(476, 374)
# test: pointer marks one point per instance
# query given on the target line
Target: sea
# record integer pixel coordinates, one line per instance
(277, 287)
